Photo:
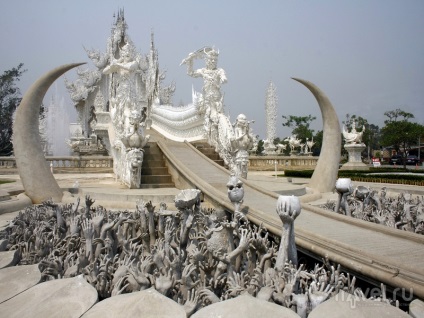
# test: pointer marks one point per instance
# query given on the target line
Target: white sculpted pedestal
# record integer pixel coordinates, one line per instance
(354, 147)
(355, 160)
(269, 148)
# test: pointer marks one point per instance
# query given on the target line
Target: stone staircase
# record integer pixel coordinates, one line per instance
(154, 173)
(209, 152)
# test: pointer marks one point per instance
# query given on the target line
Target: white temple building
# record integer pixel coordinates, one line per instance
(119, 100)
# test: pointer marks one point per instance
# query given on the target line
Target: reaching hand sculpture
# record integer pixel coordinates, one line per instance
(195, 256)
(400, 212)
(288, 209)
(344, 188)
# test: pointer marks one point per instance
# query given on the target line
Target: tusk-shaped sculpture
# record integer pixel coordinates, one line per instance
(36, 177)
(325, 174)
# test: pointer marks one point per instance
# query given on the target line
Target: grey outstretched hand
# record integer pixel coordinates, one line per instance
(286, 210)
(164, 283)
(191, 303)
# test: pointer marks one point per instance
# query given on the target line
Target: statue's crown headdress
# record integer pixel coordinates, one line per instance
(210, 51)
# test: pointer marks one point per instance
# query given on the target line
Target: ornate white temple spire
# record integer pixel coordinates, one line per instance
(152, 40)
(271, 118)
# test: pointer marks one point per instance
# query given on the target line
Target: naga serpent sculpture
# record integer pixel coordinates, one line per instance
(37, 179)
(325, 174)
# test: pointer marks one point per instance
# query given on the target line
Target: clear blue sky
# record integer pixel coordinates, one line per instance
(366, 55)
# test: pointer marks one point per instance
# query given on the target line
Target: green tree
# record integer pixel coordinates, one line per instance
(399, 132)
(10, 97)
(300, 125)
(373, 136)
(393, 115)
(260, 147)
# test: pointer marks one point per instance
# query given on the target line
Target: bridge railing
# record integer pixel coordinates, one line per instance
(7, 162)
(71, 162)
(255, 162)
(283, 162)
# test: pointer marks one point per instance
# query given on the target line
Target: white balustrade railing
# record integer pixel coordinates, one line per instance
(66, 162)
(92, 162)
(283, 162)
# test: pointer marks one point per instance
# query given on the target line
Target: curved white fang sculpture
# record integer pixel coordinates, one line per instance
(38, 181)
(325, 174)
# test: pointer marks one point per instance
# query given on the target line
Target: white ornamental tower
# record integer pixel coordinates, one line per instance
(271, 118)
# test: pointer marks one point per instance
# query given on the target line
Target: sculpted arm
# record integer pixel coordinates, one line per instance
(130, 66)
(222, 76)
(117, 66)
(193, 73)
(189, 60)
(288, 208)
